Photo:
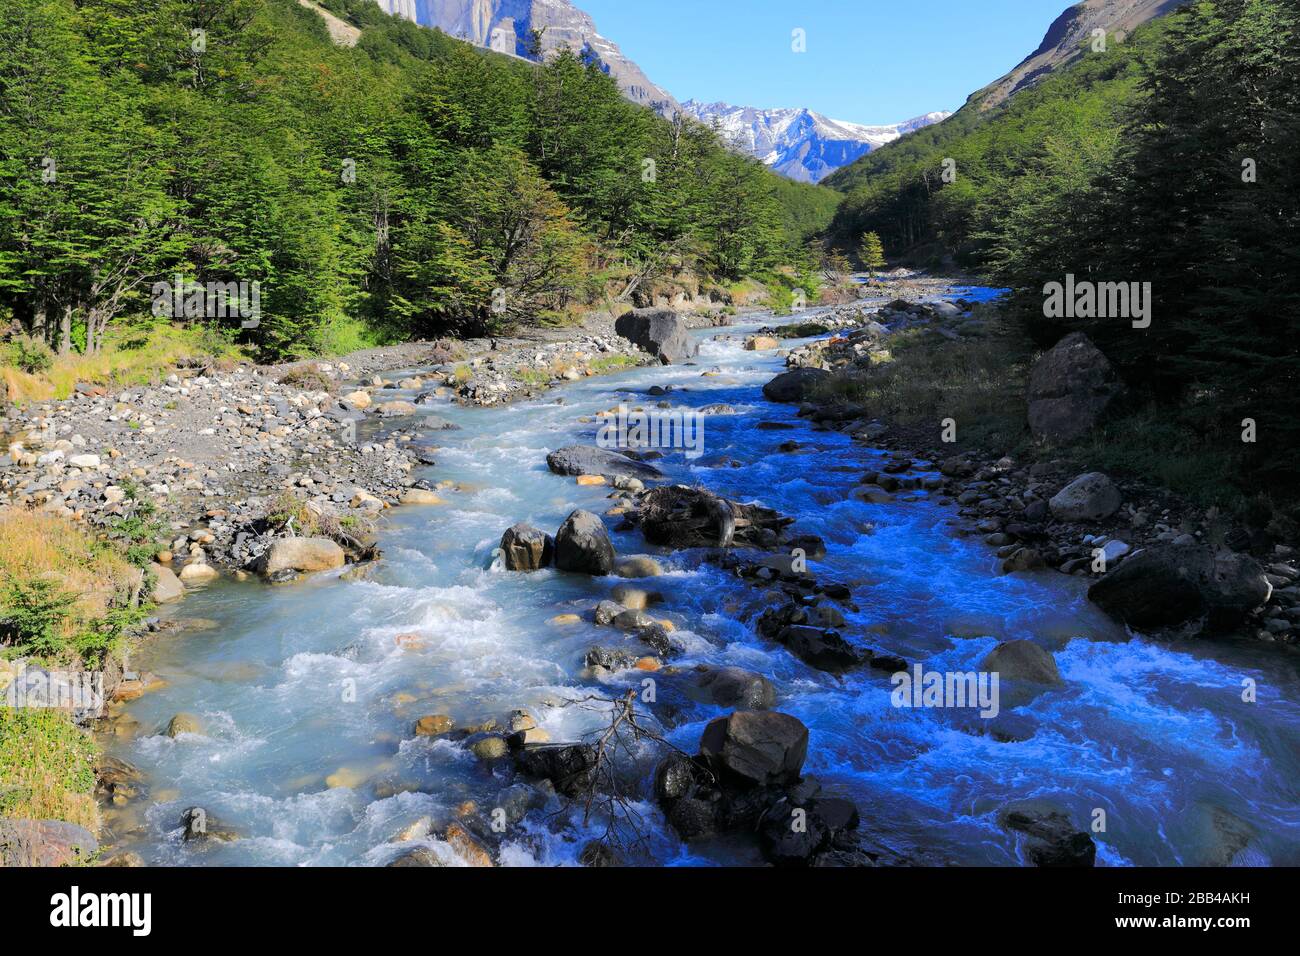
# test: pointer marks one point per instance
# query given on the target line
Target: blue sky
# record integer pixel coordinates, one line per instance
(867, 61)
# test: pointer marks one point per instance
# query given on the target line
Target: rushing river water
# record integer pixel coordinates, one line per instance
(1154, 733)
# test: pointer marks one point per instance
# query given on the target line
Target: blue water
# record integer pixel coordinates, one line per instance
(1153, 733)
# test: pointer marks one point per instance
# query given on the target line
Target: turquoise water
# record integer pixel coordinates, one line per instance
(1155, 733)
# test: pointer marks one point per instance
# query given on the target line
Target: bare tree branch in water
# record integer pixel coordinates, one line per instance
(604, 792)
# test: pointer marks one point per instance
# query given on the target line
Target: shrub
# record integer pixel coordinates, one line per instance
(31, 355)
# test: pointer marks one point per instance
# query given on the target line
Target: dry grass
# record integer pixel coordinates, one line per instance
(129, 357)
(37, 545)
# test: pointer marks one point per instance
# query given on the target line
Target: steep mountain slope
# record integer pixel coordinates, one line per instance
(1066, 38)
(507, 26)
(798, 143)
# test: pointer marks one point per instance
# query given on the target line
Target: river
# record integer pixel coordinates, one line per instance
(1155, 733)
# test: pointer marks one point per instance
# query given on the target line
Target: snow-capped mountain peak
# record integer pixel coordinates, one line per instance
(798, 143)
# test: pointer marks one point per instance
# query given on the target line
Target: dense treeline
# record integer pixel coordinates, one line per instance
(1170, 159)
(412, 185)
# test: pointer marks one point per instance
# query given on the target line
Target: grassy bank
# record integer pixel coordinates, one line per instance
(66, 601)
(981, 383)
(141, 355)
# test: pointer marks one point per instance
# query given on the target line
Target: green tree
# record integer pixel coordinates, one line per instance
(872, 253)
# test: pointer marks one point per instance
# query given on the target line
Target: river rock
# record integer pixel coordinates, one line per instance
(570, 767)
(756, 747)
(1090, 497)
(396, 409)
(660, 332)
(303, 555)
(795, 385)
(1049, 838)
(183, 724)
(1070, 389)
(1168, 585)
(526, 548)
(198, 572)
(1022, 660)
(732, 687)
(589, 460)
(639, 566)
(582, 545)
(421, 496)
(167, 586)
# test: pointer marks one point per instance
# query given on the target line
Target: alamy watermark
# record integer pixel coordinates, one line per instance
(182, 299)
(39, 688)
(625, 429)
(1098, 300)
(963, 689)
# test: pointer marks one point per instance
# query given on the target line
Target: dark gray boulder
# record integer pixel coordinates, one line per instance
(1070, 388)
(589, 460)
(1169, 585)
(582, 545)
(756, 747)
(1048, 838)
(660, 332)
(732, 687)
(1024, 661)
(795, 385)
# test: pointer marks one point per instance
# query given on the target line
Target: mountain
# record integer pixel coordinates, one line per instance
(798, 143)
(1067, 38)
(507, 26)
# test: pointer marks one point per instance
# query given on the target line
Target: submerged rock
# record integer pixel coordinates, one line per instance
(1022, 660)
(1048, 836)
(732, 687)
(590, 460)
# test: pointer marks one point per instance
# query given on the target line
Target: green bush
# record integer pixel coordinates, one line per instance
(31, 355)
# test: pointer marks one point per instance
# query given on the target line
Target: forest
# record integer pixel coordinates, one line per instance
(410, 186)
(1169, 159)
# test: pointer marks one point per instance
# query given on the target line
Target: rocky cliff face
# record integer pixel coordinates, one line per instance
(506, 26)
(1067, 36)
(798, 143)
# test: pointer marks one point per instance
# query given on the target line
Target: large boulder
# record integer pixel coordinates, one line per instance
(589, 460)
(44, 843)
(661, 332)
(795, 385)
(1090, 497)
(526, 548)
(1070, 389)
(582, 545)
(756, 747)
(301, 555)
(167, 586)
(1168, 585)
(1024, 661)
